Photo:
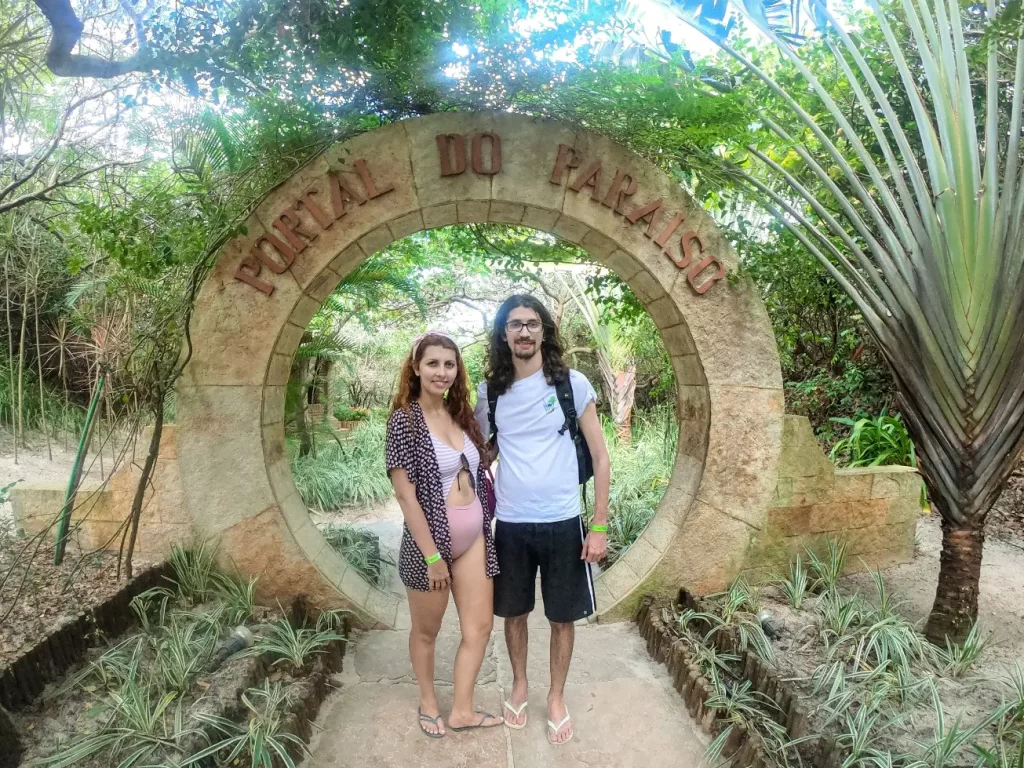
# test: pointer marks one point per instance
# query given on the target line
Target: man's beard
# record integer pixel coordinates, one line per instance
(525, 354)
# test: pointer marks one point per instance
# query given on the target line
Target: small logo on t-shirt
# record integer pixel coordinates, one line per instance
(550, 403)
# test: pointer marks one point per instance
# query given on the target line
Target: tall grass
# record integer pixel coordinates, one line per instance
(641, 470)
(347, 472)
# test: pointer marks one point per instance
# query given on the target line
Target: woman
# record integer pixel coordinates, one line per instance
(433, 452)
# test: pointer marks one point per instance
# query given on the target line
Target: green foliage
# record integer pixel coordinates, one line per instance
(828, 569)
(182, 648)
(262, 737)
(239, 597)
(351, 413)
(361, 548)
(795, 587)
(347, 472)
(296, 647)
(957, 659)
(873, 442)
(194, 571)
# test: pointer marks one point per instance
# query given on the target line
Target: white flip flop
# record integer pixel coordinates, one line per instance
(556, 728)
(517, 713)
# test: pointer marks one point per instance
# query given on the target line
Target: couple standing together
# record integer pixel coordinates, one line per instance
(438, 460)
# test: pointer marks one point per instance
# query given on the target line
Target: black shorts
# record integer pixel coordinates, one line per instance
(566, 584)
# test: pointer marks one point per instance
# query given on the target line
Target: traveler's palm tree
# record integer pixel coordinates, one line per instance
(615, 357)
(923, 226)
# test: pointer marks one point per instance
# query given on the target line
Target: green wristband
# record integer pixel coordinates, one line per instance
(432, 559)
(599, 528)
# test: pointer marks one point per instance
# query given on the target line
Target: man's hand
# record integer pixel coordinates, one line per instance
(595, 547)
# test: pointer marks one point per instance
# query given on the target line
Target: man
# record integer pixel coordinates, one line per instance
(538, 497)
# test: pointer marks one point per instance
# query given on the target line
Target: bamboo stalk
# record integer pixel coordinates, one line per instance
(10, 342)
(20, 435)
(39, 365)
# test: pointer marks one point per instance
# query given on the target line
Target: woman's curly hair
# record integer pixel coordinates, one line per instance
(500, 371)
(457, 399)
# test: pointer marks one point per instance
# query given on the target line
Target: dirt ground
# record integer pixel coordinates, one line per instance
(1001, 610)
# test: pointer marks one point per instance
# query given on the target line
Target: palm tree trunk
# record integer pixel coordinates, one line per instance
(956, 598)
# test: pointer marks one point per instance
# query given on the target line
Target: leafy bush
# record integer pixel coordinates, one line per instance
(345, 473)
(641, 470)
(361, 548)
(874, 442)
(351, 413)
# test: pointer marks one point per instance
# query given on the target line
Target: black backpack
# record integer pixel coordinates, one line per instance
(563, 389)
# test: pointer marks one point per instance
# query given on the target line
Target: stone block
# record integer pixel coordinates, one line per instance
(221, 455)
(852, 485)
(619, 579)
(621, 263)
(539, 218)
(641, 556)
(677, 340)
(376, 240)
(303, 312)
(903, 509)
(815, 489)
(847, 515)
(662, 529)
(406, 225)
(440, 216)
(473, 212)
(804, 460)
(743, 448)
(881, 538)
(348, 260)
(432, 188)
(708, 552)
(891, 482)
(789, 521)
(688, 370)
(568, 228)
(323, 285)
(279, 370)
(599, 246)
(506, 213)
(782, 496)
(664, 312)
(646, 288)
(273, 404)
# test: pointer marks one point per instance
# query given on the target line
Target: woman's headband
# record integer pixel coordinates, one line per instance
(425, 334)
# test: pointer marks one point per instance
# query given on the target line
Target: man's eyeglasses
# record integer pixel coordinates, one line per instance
(515, 326)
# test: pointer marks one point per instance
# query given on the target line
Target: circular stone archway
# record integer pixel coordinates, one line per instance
(365, 193)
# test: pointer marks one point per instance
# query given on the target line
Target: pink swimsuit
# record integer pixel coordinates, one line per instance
(465, 521)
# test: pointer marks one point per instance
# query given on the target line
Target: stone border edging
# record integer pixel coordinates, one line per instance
(666, 647)
(22, 681)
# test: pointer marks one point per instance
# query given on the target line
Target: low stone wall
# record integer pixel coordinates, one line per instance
(875, 510)
(100, 512)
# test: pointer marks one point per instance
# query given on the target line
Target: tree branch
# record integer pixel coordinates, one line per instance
(67, 31)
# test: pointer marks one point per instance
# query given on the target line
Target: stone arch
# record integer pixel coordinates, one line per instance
(462, 168)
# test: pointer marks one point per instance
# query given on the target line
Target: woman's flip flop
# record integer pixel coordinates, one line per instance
(432, 721)
(483, 719)
(556, 728)
(517, 713)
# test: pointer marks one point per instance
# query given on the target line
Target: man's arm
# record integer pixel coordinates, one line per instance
(596, 544)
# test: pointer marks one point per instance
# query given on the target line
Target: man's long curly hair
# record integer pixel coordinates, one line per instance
(457, 399)
(500, 371)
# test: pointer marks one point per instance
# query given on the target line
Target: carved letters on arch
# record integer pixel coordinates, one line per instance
(338, 195)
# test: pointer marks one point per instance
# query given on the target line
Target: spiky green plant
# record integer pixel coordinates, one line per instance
(262, 738)
(829, 568)
(921, 222)
(182, 649)
(239, 597)
(957, 659)
(796, 586)
(194, 571)
(288, 645)
(874, 442)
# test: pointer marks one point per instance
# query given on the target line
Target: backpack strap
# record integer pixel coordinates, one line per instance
(563, 390)
(492, 404)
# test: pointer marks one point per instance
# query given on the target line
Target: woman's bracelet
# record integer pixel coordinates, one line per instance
(432, 559)
(599, 528)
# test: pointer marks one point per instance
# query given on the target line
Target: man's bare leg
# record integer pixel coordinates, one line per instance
(562, 638)
(517, 642)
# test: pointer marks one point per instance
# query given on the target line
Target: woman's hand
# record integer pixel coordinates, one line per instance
(438, 575)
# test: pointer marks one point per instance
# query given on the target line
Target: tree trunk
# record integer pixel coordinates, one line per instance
(956, 597)
(142, 487)
(299, 407)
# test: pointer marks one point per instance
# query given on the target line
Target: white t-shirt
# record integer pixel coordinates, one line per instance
(537, 476)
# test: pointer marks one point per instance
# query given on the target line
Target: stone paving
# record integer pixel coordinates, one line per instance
(623, 704)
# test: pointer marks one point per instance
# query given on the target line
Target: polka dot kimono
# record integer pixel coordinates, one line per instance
(408, 447)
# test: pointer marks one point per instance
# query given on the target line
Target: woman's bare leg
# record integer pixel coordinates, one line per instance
(474, 599)
(427, 610)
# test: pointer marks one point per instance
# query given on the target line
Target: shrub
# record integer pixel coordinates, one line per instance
(351, 413)
(874, 442)
(361, 548)
(344, 473)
